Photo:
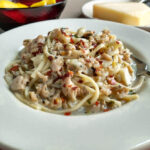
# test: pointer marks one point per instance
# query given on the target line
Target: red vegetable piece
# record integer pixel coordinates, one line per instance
(96, 103)
(14, 68)
(67, 113)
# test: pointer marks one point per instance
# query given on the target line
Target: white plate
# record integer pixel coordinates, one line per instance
(87, 8)
(24, 128)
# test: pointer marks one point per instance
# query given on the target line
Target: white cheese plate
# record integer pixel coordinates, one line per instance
(87, 8)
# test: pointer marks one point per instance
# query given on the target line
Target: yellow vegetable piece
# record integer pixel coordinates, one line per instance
(38, 4)
(49, 2)
(9, 4)
(43, 3)
(20, 5)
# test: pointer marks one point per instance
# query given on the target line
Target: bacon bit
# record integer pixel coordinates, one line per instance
(49, 73)
(70, 73)
(111, 76)
(80, 81)
(69, 85)
(63, 100)
(50, 58)
(37, 52)
(117, 42)
(14, 68)
(67, 113)
(74, 88)
(60, 69)
(55, 102)
(100, 61)
(71, 40)
(101, 53)
(97, 103)
(105, 110)
(65, 46)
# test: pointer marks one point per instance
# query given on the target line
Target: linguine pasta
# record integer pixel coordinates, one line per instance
(69, 71)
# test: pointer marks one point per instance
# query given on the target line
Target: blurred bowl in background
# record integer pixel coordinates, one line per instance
(13, 17)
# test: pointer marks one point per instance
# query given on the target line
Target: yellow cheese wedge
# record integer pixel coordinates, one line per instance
(130, 13)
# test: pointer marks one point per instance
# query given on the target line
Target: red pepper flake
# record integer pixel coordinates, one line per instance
(97, 103)
(14, 68)
(117, 42)
(83, 43)
(64, 33)
(74, 88)
(55, 102)
(71, 40)
(67, 113)
(105, 110)
(65, 75)
(49, 73)
(80, 81)
(111, 76)
(37, 52)
(63, 100)
(50, 58)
